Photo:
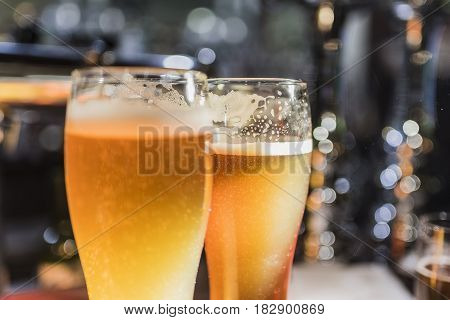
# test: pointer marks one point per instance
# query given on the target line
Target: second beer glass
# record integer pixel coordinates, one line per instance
(261, 148)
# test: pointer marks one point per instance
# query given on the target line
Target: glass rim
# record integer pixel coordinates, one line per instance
(279, 81)
(115, 72)
(427, 221)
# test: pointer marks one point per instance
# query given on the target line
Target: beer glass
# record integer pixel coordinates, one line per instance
(137, 182)
(433, 267)
(261, 146)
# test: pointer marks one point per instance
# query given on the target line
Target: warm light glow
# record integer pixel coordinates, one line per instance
(406, 167)
(404, 152)
(314, 201)
(414, 32)
(319, 161)
(325, 17)
(317, 179)
(398, 192)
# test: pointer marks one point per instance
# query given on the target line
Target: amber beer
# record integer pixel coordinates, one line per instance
(433, 267)
(433, 281)
(257, 207)
(131, 246)
(139, 222)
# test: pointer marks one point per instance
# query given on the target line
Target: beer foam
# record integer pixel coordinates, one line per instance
(235, 108)
(122, 119)
(119, 110)
(425, 261)
(260, 118)
(286, 148)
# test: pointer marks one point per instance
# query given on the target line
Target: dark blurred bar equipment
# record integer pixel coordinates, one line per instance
(35, 224)
(374, 96)
(28, 59)
(348, 119)
(425, 127)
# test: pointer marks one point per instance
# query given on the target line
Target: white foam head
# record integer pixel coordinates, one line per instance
(121, 109)
(286, 148)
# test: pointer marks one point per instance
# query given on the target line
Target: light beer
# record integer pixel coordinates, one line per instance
(137, 187)
(261, 147)
(257, 207)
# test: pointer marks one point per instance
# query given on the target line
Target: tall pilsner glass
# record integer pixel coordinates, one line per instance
(261, 148)
(136, 180)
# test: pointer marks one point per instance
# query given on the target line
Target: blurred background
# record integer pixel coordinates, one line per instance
(378, 76)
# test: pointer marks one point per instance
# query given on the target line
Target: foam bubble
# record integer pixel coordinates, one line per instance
(234, 108)
(243, 114)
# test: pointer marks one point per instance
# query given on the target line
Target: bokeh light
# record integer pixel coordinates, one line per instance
(328, 121)
(325, 146)
(67, 16)
(111, 20)
(236, 30)
(325, 17)
(381, 230)
(178, 62)
(206, 56)
(201, 20)
(342, 185)
(414, 141)
(327, 238)
(388, 178)
(394, 138)
(325, 253)
(320, 133)
(410, 128)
